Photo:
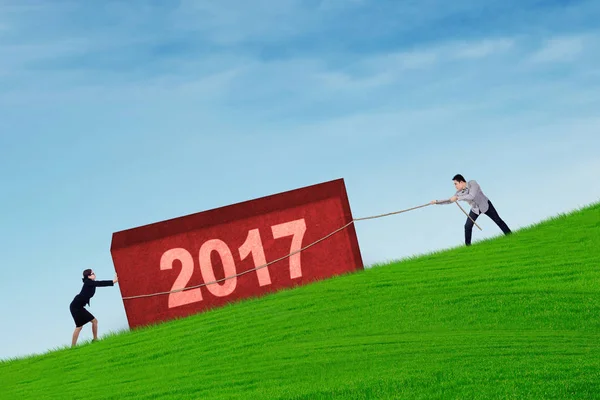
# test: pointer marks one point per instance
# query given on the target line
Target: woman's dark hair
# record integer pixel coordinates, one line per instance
(86, 273)
(458, 178)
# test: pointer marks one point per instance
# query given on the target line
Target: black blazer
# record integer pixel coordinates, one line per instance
(89, 289)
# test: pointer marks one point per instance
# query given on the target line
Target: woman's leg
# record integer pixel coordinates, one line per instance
(95, 328)
(76, 335)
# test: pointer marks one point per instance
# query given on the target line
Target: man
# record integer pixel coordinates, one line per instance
(472, 194)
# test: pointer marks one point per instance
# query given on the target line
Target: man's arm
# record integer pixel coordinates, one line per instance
(473, 190)
(441, 202)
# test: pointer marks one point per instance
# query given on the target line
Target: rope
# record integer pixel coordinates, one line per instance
(281, 258)
(468, 216)
(244, 272)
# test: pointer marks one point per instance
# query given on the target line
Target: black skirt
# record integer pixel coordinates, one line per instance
(81, 316)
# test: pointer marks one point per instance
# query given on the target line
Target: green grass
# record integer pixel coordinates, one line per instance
(509, 317)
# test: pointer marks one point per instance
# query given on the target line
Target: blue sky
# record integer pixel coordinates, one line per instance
(115, 115)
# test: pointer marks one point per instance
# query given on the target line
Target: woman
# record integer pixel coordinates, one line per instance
(81, 316)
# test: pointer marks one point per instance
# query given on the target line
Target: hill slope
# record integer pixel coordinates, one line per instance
(511, 317)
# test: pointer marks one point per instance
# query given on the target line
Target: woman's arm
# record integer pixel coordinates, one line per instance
(102, 283)
(98, 283)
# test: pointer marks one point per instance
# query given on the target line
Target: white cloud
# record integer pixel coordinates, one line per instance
(414, 60)
(439, 53)
(337, 4)
(343, 81)
(17, 55)
(389, 68)
(230, 22)
(212, 85)
(560, 49)
(385, 124)
(483, 48)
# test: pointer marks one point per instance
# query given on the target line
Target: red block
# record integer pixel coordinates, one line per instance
(208, 246)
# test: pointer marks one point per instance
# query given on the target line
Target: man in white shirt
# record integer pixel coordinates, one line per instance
(472, 194)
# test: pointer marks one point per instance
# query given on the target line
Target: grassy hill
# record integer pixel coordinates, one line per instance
(509, 317)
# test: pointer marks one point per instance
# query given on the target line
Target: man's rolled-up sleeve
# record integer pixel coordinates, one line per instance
(473, 190)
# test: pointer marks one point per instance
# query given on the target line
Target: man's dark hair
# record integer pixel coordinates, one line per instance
(87, 273)
(458, 178)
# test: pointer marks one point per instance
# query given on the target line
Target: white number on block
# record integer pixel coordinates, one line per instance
(296, 229)
(253, 244)
(226, 287)
(177, 299)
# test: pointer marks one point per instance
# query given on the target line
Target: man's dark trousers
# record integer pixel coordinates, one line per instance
(493, 214)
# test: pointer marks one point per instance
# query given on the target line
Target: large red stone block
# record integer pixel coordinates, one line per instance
(208, 246)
